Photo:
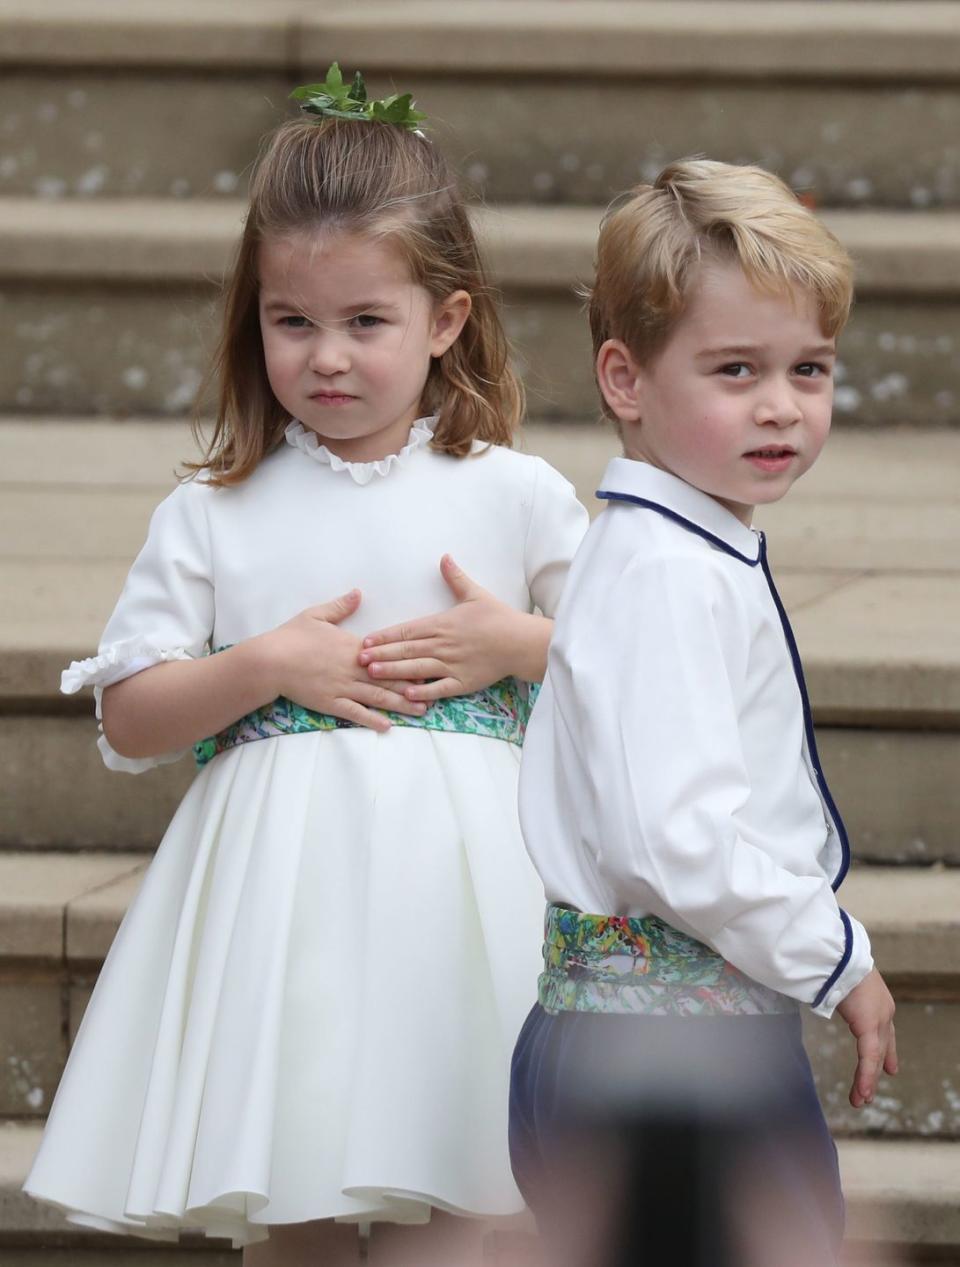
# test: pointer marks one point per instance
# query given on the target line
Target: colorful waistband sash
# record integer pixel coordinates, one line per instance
(612, 963)
(500, 711)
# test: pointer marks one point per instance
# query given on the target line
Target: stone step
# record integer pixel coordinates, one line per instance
(897, 789)
(901, 1196)
(863, 548)
(111, 306)
(59, 913)
(536, 101)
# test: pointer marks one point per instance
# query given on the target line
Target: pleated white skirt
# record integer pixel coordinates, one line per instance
(310, 1007)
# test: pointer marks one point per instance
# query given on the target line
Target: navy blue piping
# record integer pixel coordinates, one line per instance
(679, 519)
(844, 959)
(791, 647)
(808, 721)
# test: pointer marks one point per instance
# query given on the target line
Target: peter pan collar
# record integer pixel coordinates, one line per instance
(644, 485)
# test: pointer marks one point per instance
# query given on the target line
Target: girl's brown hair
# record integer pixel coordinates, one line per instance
(390, 183)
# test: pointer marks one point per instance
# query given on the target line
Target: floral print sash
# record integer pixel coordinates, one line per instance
(613, 963)
(500, 711)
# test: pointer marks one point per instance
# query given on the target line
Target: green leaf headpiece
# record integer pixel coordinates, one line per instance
(334, 99)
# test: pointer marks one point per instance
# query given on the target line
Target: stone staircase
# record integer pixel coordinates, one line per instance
(125, 134)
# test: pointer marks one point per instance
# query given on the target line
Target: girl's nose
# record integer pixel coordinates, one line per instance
(328, 353)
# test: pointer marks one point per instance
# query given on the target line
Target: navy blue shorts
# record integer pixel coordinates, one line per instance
(697, 1137)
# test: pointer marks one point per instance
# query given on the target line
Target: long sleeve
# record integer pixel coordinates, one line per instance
(658, 732)
(165, 610)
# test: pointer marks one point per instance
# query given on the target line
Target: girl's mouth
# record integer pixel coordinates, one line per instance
(775, 457)
(332, 398)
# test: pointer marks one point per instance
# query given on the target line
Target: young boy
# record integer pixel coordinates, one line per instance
(670, 774)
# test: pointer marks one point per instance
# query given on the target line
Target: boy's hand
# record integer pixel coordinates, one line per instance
(315, 664)
(868, 1010)
(467, 647)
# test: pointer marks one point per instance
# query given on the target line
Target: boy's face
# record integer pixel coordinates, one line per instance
(738, 400)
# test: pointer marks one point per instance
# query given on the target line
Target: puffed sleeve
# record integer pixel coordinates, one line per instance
(671, 788)
(165, 610)
(555, 528)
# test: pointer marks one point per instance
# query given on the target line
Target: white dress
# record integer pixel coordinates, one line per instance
(310, 1007)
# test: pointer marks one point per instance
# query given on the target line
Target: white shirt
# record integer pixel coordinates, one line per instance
(670, 766)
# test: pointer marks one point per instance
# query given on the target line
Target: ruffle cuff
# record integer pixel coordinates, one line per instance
(114, 664)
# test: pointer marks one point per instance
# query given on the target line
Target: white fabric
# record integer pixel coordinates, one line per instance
(665, 769)
(303, 438)
(310, 1007)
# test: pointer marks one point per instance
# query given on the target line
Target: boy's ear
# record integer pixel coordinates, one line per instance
(618, 377)
(449, 318)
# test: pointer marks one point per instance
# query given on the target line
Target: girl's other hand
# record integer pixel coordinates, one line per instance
(868, 1010)
(316, 664)
(461, 650)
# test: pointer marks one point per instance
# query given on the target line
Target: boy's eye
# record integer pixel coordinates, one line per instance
(736, 369)
(366, 321)
(812, 369)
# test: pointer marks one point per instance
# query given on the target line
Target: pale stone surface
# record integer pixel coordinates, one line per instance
(852, 637)
(61, 795)
(212, 33)
(98, 338)
(909, 1184)
(913, 917)
(530, 247)
(612, 37)
(897, 790)
(36, 890)
(607, 37)
(513, 139)
(31, 1043)
(116, 350)
(922, 1100)
(92, 920)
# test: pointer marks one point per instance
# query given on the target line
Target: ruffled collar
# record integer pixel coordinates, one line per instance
(302, 438)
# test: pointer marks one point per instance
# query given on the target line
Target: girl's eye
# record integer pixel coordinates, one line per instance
(812, 369)
(366, 321)
(295, 322)
(736, 369)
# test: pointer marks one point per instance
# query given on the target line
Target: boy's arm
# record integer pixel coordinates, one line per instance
(651, 687)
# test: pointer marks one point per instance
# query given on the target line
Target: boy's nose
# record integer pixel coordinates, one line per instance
(780, 409)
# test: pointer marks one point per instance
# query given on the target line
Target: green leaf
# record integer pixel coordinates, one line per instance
(398, 108)
(308, 90)
(358, 90)
(334, 80)
(336, 99)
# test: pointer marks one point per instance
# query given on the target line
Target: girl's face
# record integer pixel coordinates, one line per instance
(348, 338)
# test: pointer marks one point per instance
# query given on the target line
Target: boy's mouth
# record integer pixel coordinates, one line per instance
(772, 457)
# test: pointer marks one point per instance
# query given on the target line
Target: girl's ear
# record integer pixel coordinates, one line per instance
(619, 379)
(449, 318)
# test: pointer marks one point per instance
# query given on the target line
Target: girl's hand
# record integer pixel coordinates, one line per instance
(868, 1010)
(316, 664)
(470, 646)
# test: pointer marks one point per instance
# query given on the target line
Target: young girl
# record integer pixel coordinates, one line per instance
(309, 1010)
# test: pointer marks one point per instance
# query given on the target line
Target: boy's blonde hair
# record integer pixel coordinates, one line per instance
(652, 244)
(389, 184)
